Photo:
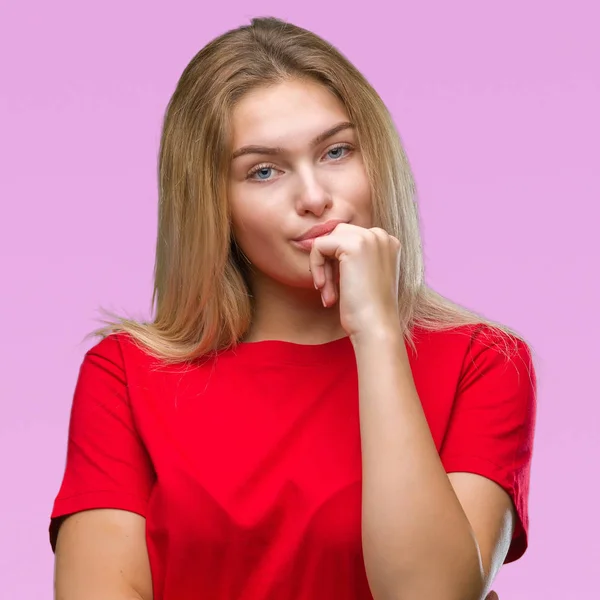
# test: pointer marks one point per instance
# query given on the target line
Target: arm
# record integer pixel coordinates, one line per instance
(425, 534)
(102, 555)
(97, 526)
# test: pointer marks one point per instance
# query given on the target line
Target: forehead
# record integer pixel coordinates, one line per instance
(292, 111)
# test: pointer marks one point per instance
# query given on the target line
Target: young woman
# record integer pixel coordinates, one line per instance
(303, 418)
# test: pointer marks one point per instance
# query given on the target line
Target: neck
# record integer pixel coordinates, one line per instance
(291, 314)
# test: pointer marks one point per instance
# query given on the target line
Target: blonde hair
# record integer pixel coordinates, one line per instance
(201, 299)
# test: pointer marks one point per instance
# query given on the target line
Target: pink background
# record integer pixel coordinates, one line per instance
(498, 108)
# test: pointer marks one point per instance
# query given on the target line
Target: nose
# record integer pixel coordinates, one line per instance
(312, 195)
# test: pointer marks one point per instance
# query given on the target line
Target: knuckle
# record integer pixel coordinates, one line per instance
(379, 231)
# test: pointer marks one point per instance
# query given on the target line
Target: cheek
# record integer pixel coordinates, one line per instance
(357, 191)
(253, 227)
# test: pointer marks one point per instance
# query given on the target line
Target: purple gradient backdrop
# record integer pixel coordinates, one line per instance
(498, 108)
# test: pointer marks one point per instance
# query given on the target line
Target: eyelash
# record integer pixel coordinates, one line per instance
(262, 166)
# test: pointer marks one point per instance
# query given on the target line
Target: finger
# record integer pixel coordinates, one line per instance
(316, 261)
(328, 290)
(336, 280)
(492, 596)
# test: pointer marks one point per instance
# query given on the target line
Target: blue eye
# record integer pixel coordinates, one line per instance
(338, 152)
(263, 173)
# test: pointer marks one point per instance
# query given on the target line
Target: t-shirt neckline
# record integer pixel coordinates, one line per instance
(280, 351)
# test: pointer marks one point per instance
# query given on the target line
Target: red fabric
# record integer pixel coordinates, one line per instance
(247, 467)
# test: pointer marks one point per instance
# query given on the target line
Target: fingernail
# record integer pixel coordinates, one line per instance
(323, 301)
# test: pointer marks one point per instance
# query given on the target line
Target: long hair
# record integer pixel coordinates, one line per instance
(201, 299)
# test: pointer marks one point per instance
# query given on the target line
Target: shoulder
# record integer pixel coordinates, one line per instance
(121, 350)
(121, 359)
(466, 341)
(469, 352)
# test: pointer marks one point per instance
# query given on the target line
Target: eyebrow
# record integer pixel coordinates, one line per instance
(272, 151)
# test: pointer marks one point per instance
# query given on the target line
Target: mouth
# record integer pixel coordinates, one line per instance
(306, 240)
(305, 245)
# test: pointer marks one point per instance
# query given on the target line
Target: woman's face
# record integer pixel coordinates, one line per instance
(295, 164)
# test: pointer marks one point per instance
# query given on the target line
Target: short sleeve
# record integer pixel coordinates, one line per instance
(107, 465)
(491, 429)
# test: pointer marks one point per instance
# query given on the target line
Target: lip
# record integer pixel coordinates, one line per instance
(319, 230)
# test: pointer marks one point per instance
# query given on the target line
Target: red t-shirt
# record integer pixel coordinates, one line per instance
(247, 467)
